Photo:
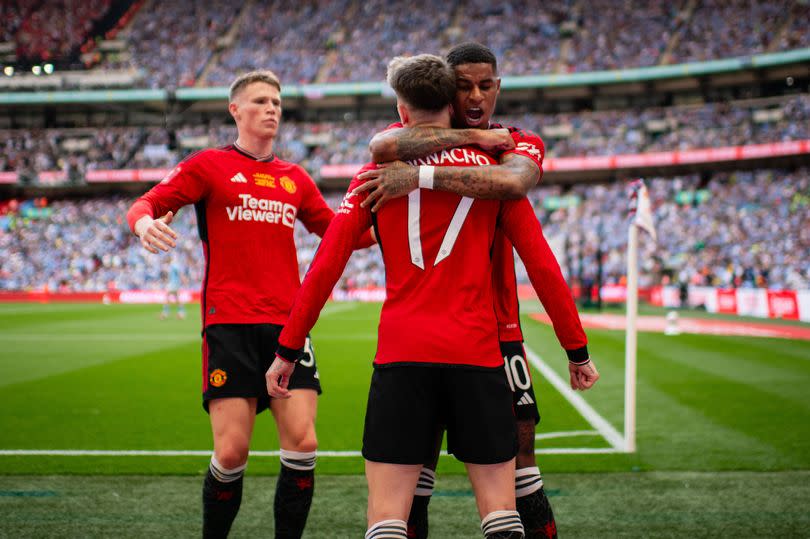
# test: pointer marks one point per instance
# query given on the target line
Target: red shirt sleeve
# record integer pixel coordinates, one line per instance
(504, 288)
(528, 144)
(327, 267)
(183, 185)
(522, 228)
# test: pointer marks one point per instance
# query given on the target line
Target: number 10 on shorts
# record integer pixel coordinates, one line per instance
(517, 372)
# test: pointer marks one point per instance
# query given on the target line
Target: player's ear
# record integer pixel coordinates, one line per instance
(233, 108)
(402, 110)
(498, 85)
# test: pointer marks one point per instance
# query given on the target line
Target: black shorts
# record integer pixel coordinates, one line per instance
(520, 379)
(409, 404)
(236, 357)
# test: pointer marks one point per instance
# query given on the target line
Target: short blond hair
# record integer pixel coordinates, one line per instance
(242, 81)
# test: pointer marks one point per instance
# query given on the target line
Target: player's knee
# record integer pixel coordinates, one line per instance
(303, 439)
(232, 454)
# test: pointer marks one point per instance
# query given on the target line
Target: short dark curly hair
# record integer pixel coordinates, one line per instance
(472, 53)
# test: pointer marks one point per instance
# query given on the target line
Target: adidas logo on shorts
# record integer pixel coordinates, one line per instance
(525, 399)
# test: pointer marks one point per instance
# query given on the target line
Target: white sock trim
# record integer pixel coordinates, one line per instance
(426, 177)
(298, 460)
(527, 481)
(501, 521)
(427, 480)
(224, 475)
(388, 529)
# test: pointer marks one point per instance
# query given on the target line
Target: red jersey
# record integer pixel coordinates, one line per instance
(437, 251)
(504, 280)
(246, 211)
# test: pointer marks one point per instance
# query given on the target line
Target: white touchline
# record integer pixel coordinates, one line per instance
(591, 416)
(565, 434)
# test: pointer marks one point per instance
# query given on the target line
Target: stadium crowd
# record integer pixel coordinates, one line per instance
(315, 144)
(737, 229)
(210, 41)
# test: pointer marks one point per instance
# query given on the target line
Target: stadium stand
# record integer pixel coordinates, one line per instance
(209, 41)
(318, 143)
(738, 229)
(729, 226)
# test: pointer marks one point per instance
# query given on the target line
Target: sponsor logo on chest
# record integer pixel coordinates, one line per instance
(262, 210)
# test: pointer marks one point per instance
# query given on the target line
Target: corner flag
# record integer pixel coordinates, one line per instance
(640, 208)
(640, 217)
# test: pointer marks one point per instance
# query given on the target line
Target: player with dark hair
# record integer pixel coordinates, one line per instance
(438, 361)
(247, 201)
(519, 170)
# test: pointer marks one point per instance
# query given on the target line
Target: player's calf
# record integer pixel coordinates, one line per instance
(294, 490)
(418, 518)
(533, 505)
(221, 497)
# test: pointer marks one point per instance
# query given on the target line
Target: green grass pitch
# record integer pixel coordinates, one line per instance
(723, 432)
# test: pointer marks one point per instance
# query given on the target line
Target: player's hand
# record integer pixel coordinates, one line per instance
(156, 233)
(389, 181)
(495, 140)
(584, 376)
(278, 378)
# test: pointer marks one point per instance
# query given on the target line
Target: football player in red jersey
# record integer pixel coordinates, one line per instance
(247, 201)
(438, 360)
(520, 169)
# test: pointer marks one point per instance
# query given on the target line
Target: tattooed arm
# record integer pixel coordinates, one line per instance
(408, 143)
(520, 168)
(509, 180)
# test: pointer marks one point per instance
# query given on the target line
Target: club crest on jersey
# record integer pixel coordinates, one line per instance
(218, 378)
(263, 179)
(530, 149)
(288, 184)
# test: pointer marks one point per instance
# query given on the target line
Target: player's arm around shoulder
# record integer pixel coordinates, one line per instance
(399, 143)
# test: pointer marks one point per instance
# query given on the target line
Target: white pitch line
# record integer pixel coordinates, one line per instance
(207, 452)
(565, 434)
(591, 416)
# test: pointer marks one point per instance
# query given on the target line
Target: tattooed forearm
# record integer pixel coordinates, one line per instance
(410, 143)
(509, 180)
(422, 141)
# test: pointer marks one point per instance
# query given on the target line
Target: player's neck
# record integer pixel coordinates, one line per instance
(429, 123)
(260, 148)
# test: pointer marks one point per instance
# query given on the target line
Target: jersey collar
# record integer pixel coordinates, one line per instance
(265, 159)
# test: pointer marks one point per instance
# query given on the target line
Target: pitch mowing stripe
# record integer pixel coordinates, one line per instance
(591, 416)
(207, 453)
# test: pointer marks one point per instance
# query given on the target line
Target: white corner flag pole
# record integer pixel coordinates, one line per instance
(630, 341)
